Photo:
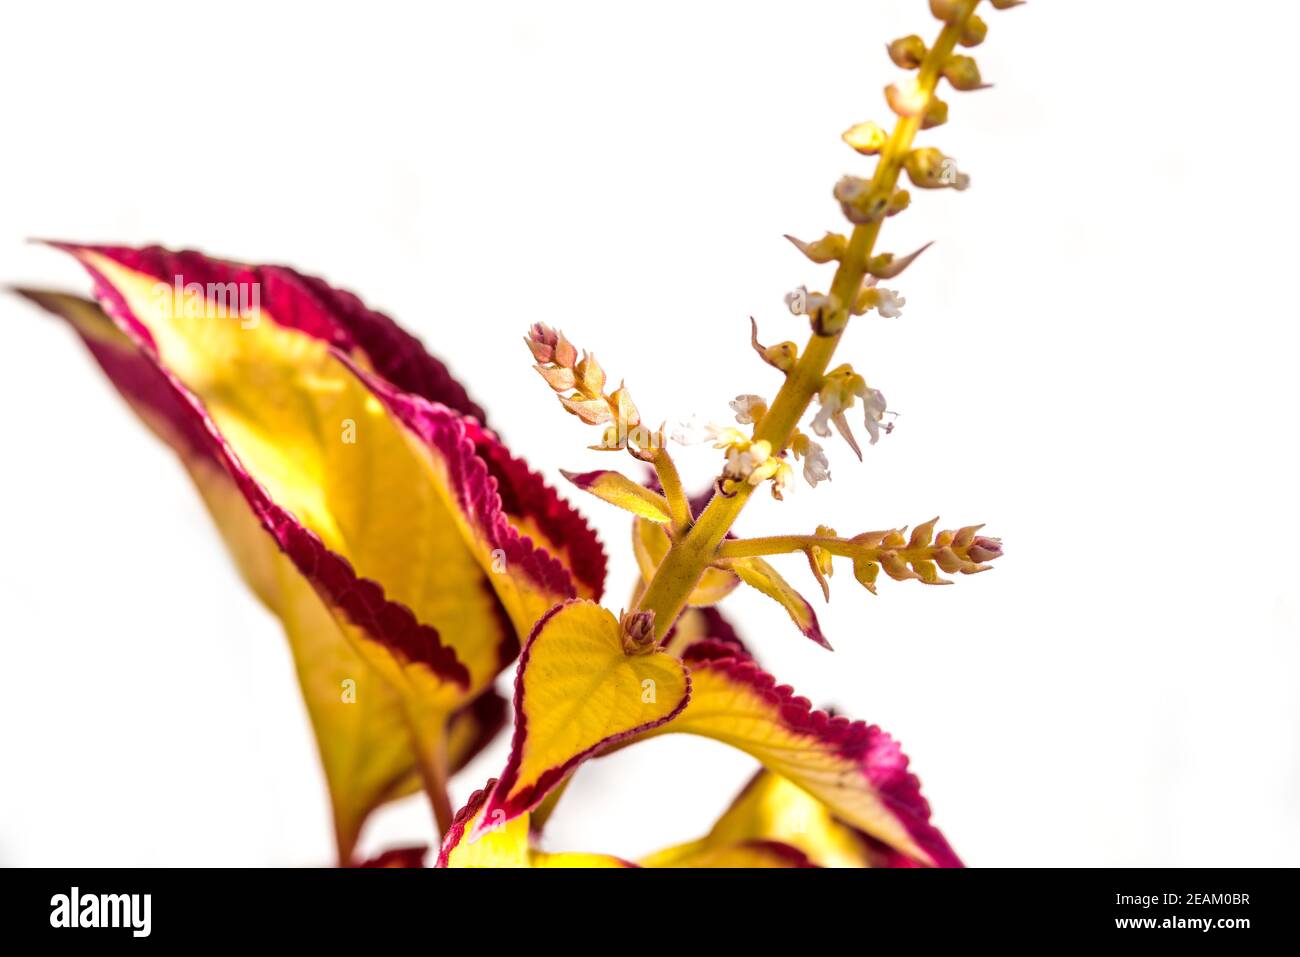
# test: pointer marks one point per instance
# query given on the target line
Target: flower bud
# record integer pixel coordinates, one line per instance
(557, 377)
(936, 114)
(590, 376)
(899, 201)
(821, 555)
(985, 549)
(782, 479)
(866, 572)
(781, 356)
(963, 73)
(547, 345)
(945, 10)
(613, 439)
(895, 567)
(820, 561)
(907, 52)
(867, 138)
(860, 201)
(974, 31)
(541, 340)
(638, 632)
(928, 168)
(591, 411)
(887, 265)
(949, 560)
(923, 534)
(829, 248)
(907, 98)
(624, 407)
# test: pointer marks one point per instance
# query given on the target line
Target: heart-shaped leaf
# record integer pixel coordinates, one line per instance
(577, 692)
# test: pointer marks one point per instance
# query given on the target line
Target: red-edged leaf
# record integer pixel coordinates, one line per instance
(856, 770)
(578, 692)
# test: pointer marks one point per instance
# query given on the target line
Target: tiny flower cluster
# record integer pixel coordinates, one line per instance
(750, 461)
(841, 388)
(584, 381)
(921, 556)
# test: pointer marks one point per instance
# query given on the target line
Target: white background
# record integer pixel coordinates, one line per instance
(1097, 358)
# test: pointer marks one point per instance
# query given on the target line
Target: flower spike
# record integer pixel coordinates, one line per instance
(412, 550)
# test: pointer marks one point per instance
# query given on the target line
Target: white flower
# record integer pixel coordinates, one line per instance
(725, 436)
(874, 403)
(950, 175)
(743, 462)
(748, 408)
(690, 432)
(801, 302)
(891, 304)
(797, 301)
(816, 466)
(820, 420)
(833, 401)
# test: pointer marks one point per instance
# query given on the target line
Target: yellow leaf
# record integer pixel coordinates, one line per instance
(474, 841)
(744, 854)
(401, 578)
(771, 810)
(618, 489)
(856, 770)
(757, 573)
(576, 693)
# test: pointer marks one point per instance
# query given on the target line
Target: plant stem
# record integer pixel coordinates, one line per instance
(689, 556)
(844, 547)
(782, 544)
(431, 760)
(670, 481)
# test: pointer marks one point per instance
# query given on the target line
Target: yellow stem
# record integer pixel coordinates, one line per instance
(845, 547)
(679, 506)
(690, 555)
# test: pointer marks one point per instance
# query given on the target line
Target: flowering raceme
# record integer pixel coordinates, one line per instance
(411, 558)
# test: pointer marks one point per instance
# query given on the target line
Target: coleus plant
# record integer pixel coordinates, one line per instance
(412, 558)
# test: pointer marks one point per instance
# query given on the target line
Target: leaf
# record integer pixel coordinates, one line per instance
(576, 693)
(772, 810)
(695, 625)
(504, 843)
(856, 770)
(617, 489)
(757, 573)
(361, 547)
(739, 854)
(398, 857)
